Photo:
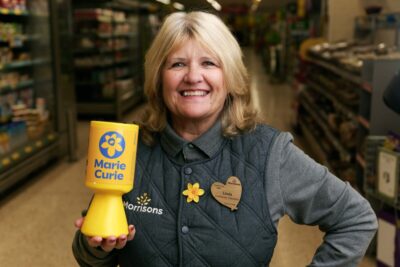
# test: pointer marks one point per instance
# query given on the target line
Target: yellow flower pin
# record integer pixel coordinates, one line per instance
(193, 192)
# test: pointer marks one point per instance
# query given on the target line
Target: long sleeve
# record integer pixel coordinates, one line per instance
(87, 256)
(309, 194)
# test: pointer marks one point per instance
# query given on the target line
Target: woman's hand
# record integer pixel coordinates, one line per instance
(109, 243)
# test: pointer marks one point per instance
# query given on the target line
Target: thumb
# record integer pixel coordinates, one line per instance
(78, 223)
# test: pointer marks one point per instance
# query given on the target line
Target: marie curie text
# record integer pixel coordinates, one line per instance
(109, 170)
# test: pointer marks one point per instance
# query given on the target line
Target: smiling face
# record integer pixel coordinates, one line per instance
(193, 86)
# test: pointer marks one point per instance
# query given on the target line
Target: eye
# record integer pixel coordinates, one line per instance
(208, 63)
(177, 65)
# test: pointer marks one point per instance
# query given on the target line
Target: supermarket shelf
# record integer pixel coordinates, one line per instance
(301, 33)
(94, 66)
(123, 75)
(316, 148)
(342, 108)
(18, 40)
(345, 74)
(361, 160)
(102, 19)
(29, 139)
(22, 64)
(372, 193)
(367, 87)
(123, 60)
(19, 86)
(21, 163)
(345, 155)
(105, 35)
(364, 122)
(89, 108)
(130, 99)
(93, 83)
(113, 108)
(127, 95)
(310, 101)
(121, 48)
(122, 31)
(95, 35)
(26, 150)
(93, 50)
(13, 12)
(125, 35)
(370, 83)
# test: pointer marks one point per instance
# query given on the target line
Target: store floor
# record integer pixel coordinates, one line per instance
(36, 220)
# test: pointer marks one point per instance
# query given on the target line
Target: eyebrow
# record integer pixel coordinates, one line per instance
(183, 58)
(176, 59)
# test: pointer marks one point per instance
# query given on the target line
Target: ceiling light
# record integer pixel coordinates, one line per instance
(216, 5)
(178, 6)
(254, 7)
(165, 2)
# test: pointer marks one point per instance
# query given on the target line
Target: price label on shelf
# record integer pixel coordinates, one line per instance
(388, 163)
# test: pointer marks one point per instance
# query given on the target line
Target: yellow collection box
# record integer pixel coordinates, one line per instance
(110, 173)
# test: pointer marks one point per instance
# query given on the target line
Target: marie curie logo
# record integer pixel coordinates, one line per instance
(112, 145)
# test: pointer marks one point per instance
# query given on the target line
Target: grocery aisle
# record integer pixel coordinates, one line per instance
(37, 219)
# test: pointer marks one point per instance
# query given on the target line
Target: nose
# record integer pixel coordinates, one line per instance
(193, 75)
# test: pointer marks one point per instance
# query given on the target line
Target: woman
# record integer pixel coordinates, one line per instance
(212, 181)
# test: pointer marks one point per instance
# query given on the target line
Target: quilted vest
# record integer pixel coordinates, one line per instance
(172, 232)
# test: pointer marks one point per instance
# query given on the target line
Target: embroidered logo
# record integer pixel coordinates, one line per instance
(143, 206)
(143, 200)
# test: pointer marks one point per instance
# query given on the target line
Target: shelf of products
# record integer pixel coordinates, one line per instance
(367, 28)
(106, 60)
(342, 105)
(381, 176)
(29, 133)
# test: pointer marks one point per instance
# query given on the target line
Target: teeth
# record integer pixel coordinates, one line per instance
(194, 93)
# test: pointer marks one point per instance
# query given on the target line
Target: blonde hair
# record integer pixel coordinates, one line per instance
(238, 115)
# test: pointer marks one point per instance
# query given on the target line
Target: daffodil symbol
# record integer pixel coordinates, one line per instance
(193, 192)
(112, 144)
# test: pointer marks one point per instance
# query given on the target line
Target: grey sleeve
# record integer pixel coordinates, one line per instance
(309, 194)
(87, 256)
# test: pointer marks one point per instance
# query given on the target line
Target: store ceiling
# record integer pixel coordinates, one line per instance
(269, 5)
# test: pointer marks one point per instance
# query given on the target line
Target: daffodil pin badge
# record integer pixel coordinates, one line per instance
(193, 192)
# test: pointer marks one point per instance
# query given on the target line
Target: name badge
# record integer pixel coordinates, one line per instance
(228, 194)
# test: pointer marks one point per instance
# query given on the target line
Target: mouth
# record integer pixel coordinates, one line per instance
(194, 93)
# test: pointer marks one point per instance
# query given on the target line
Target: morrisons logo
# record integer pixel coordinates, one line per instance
(142, 206)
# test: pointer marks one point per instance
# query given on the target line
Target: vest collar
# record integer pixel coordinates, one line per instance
(208, 143)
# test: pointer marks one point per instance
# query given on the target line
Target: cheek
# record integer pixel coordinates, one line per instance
(217, 79)
(168, 89)
(167, 86)
(171, 81)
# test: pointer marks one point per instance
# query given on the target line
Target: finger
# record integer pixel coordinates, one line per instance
(94, 241)
(78, 223)
(109, 243)
(121, 242)
(132, 232)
